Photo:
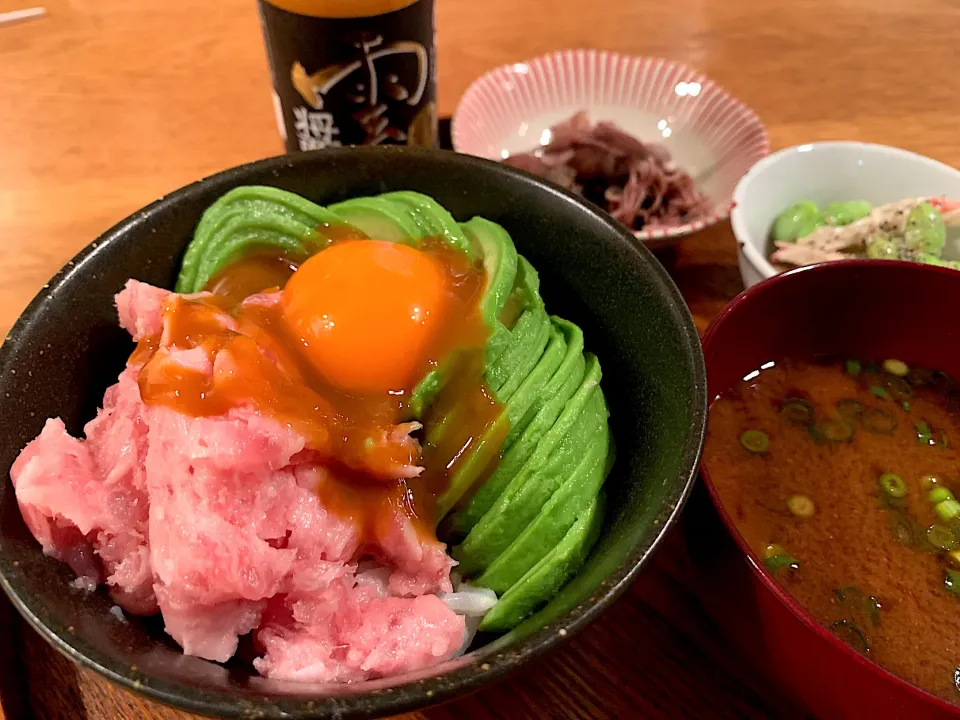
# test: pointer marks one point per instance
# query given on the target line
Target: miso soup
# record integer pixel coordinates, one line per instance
(844, 478)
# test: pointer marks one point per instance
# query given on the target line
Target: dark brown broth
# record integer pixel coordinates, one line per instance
(912, 628)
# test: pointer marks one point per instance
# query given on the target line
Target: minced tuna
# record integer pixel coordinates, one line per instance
(216, 522)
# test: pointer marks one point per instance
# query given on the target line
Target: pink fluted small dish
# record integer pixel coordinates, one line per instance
(710, 134)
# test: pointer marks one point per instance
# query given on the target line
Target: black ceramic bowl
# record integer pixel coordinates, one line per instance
(67, 348)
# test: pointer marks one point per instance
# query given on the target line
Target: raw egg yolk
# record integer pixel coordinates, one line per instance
(366, 312)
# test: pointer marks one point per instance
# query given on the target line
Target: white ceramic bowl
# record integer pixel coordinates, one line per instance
(710, 134)
(828, 172)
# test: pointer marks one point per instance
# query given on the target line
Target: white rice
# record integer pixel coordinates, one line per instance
(473, 603)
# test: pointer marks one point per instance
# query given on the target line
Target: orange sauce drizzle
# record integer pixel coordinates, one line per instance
(258, 364)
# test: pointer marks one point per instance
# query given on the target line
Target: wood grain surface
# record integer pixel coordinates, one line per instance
(106, 105)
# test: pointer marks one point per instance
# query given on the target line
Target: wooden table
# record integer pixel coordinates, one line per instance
(109, 104)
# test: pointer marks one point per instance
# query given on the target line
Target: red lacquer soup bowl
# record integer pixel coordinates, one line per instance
(861, 309)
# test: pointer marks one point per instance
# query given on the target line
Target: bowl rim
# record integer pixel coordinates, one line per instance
(491, 661)
(655, 236)
(756, 565)
(747, 244)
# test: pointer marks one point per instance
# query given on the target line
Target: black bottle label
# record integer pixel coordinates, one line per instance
(353, 81)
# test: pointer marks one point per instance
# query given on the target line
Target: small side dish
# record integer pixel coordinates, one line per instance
(636, 182)
(912, 229)
(658, 104)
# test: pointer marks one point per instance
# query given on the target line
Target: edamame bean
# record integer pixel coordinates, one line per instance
(797, 221)
(925, 231)
(844, 213)
(809, 224)
(881, 247)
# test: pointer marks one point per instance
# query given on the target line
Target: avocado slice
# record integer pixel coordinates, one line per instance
(538, 420)
(543, 581)
(533, 385)
(499, 339)
(573, 337)
(556, 517)
(527, 286)
(432, 218)
(516, 407)
(524, 296)
(274, 218)
(240, 232)
(425, 392)
(499, 263)
(527, 342)
(533, 487)
(379, 219)
(500, 267)
(527, 345)
(482, 454)
(559, 450)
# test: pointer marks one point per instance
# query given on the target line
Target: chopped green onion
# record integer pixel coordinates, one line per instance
(877, 421)
(873, 610)
(939, 494)
(773, 549)
(879, 392)
(906, 405)
(899, 387)
(941, 538)
(924, 433)
(849, 408)
(851, 635)
(947, 510)
(849, 593)
(905, 531)
(797, 411)
(892, 485)
(952, 582)
(801, 506)
(775, 558)
(928, 482)
(858, 605)
(854, 598)
(835, 431)
(896, 367)
(954, 557)
(853, 367)
(755, 441)
(778, 562)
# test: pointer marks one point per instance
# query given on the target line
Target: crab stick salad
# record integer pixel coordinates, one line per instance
(912, 229)
(351, 437)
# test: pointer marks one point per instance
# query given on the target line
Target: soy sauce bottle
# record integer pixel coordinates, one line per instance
(352, 72)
